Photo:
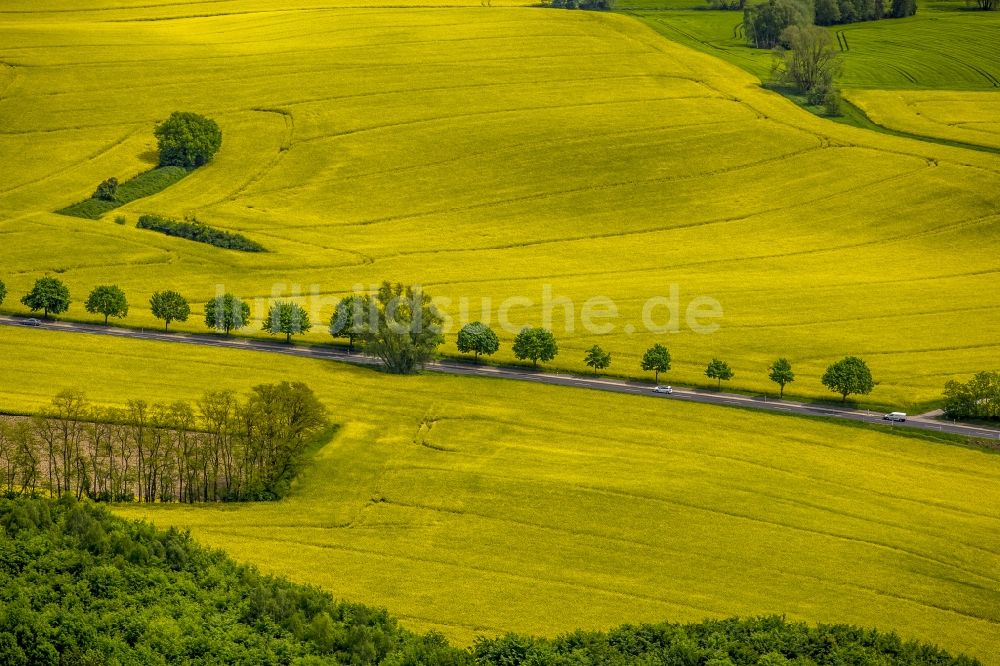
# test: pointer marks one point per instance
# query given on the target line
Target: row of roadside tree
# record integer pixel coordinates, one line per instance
(401, 326)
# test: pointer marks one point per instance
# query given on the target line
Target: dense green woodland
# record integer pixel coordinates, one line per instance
(81, 586)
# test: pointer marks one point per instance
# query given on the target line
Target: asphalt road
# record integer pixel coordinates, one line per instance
(450, 367)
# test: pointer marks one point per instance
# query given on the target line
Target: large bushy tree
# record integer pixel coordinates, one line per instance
(849, 375)
(108, 300)
(226, 313)
(763, 23)
(350, 317)
(478, 338)
(404, 327)
(107, 190)
(187, 140)
(808, 61)
(903, 8)
(979, 398)
(535, 344)
(169, 306)
(50, 295)
(656, 359)
(827, 12)
(288, 318)
(3, 292)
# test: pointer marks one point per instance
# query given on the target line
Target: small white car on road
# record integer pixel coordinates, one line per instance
(662, 389)
(898, 417)
(32, 322)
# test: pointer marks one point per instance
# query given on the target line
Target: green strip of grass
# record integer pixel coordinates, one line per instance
(145, 184)
(854, 116)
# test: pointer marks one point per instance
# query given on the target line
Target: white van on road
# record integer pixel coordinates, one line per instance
(898, 417)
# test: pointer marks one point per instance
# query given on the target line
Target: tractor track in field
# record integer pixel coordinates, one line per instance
(493, 112)
(751, 491)
(539, 196)
(510, 148)
(724, 514)
(100, 152)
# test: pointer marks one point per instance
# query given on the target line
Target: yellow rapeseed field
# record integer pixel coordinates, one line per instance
(498, 153)
(475, 506)
(969, 117)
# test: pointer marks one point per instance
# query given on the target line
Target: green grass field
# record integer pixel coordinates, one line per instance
(486, 153)
(945, 47)
(515, 510)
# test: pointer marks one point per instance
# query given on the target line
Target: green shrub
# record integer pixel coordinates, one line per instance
(145, 184)
(199, 232)
(107, 191)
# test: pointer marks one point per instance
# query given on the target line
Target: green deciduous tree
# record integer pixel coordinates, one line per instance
(404, 328)
(108, 300)
(763, 23)
(808, 61)
(535, 344)
(849, 375)
(187, 140)
(350, 318)
(781, 373)
(597, 358)
(3, 292)
(903, 8)
(656, 359)
(107, 190)
(478, 338)
(719, 370)
(226, 313)
(979, 398)
(48, 295)
(288, 318)
(169, 306)
(827, 12)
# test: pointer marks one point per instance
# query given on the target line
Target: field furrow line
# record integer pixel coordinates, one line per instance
(503, 573)
(497, 203)
(494, 112)
(972, 573)
(753, 492)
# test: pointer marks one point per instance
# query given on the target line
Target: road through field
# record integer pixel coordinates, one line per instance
(518, 374)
